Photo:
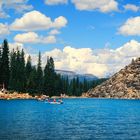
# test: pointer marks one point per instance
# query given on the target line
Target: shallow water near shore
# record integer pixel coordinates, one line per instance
(76, 119)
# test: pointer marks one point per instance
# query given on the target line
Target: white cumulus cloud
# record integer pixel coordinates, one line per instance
(17, 5)
(49, 39)
(35, 20)
(55, 2)
(70, 59)
(32, 37)
(4, 30)
(130, 27)
(98, 62)
(60, 22)
(54, 32)
(100, 5)
(131, 7)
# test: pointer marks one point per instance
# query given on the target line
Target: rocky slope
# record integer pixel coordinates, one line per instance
(124, 84)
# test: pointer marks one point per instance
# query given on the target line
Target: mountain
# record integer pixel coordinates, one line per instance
(71, 75)
(124, 84)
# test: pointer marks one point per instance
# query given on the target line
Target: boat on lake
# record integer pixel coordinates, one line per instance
(54, 101)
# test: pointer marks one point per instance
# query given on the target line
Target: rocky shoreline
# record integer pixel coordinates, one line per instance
(16, 95)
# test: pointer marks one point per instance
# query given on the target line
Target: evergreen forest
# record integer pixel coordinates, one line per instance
(18, 74)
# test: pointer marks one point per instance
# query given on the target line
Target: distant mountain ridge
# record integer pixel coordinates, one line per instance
(124, 84)
(71, 75)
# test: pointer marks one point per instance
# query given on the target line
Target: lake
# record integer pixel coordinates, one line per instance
(76, 119)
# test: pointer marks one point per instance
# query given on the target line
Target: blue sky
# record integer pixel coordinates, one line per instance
(99, 27)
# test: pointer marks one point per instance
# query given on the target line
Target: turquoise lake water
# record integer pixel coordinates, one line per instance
(76, 119)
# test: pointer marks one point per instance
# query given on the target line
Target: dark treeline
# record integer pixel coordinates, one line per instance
(18, 75)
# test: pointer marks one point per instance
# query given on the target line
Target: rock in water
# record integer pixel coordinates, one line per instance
(124, 84)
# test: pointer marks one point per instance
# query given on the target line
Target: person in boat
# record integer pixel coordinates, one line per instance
(54, 100)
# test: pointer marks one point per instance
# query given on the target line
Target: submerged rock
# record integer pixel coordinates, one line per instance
(124, 84)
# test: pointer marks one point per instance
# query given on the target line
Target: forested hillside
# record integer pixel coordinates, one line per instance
(21, 76)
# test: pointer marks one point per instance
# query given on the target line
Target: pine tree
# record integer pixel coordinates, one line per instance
(74, 87)
(18, 71)
(22, 71)
(28, 66)
(58, 85)
(32, 81)
(5, 64)
(46, 79)
(13, 68)
(49, 77)
(85, 88)
(65, 85)
(39, 75)
(28, 70)
(77, 92)
(70, 89)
